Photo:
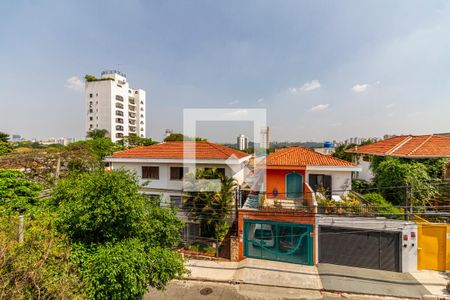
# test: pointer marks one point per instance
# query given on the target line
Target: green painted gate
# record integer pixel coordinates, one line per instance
(287, 242)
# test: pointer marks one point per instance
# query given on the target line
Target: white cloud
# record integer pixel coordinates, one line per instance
(319, 107)
(390, 105)
(359, 88)
(306, 87)
(233, 102)
(237, 113)
(260, 100)
(74, 83)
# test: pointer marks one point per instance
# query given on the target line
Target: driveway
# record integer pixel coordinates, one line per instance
(371, 282)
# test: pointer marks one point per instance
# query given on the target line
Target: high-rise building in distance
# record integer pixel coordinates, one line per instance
(113, 105)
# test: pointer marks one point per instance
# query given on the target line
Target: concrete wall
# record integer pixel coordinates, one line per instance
(408, 248)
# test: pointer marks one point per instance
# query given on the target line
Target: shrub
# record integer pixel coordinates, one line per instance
(381, 205)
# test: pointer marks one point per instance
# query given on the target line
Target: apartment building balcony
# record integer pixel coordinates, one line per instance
(132, 122)
(119, 120)
(132, 115)
(132, 129)
(119, 105)
(131, 108)
(131, 101)
(119, 127)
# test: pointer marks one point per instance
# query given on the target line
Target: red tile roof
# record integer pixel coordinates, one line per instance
(303, 157)
(175, 150)
(420, 146)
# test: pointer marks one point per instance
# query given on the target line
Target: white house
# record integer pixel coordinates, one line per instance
(161, 167)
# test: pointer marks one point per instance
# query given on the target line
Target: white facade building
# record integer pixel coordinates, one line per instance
(112, 105)
(242, 142)
(161, 169)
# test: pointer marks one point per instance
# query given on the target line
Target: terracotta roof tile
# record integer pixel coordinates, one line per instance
(302, 157)
(421, 146)
(175, 150)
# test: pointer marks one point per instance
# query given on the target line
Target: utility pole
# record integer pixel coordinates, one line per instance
(405, 208)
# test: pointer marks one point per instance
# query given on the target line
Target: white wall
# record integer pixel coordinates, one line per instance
(408, 248)
(341, 181)
(164, 185)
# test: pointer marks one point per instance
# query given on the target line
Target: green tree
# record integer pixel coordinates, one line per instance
(392, 175)
(134, 140)
(179, 137)
(36, 267)
(340, 152)
(97, 134)
(210, 204)
(5, 146)
(4, 137)
(17, 194)
(116, 231)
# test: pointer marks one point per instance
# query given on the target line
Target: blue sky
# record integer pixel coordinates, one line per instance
(323, 69)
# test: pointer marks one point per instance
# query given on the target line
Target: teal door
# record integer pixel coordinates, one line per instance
(294, 185)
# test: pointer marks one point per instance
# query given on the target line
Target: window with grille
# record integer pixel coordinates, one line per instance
(150, 172)
(177, 173)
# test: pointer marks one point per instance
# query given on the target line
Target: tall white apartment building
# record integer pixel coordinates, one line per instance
(112, 105)
(242, 142)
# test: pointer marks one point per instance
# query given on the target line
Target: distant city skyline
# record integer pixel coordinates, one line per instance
(323, 70)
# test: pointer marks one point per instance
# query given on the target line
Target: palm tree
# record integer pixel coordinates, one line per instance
(97, 134)
(210, 208)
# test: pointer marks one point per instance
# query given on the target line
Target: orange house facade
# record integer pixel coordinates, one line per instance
(277, 220)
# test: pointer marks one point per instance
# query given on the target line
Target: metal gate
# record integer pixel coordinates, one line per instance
(288, 242)
(434, 247)
(360, 248)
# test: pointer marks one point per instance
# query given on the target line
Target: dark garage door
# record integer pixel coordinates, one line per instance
(360, 248)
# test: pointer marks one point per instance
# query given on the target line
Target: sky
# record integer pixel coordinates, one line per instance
(324, 70)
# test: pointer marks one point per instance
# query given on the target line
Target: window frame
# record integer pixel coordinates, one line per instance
(150, 167)
(184, 171)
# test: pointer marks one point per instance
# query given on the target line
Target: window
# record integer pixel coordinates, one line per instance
(90, 126)
(142, 129)
(119, 120)
(96, 95)
(177, 173)
(320, 181)
(91, 110)
(150, 172)
(176, 202)
(136, 92)
(90, 95)
(91, 118)
(142, 116)
(142, 109)
(119, 127)
(119, 113)
(142, 102)
(119, 105)
(119, 135)
(90, 103)
(118, 97)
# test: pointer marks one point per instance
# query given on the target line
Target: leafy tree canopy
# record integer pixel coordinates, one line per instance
(17, 194)
(4, 137)
(97, 134)
(179, 137)
(134, 140)
(392, 175)
(123, 241)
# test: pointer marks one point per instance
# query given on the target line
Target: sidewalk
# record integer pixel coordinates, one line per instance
(257, 272)
(278, 275)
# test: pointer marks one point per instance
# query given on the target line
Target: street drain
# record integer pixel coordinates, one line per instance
(206, 291)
